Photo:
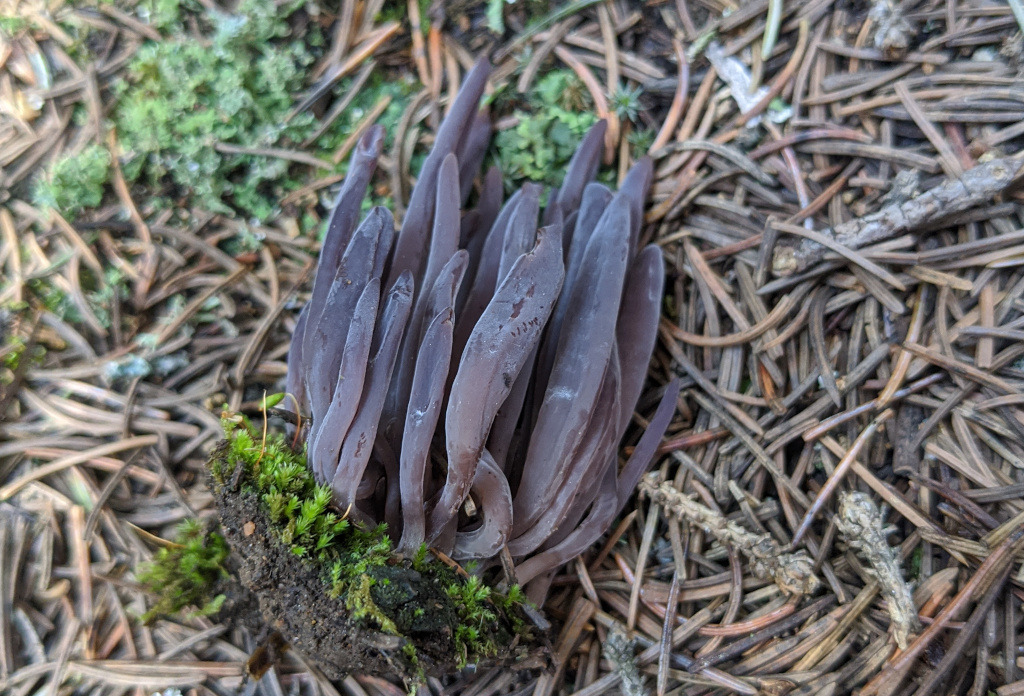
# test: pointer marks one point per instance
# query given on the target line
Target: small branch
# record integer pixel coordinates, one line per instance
(861, 524)
(976, 186)
(792, 572)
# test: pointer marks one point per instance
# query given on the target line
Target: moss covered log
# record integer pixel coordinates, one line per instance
(336, 591)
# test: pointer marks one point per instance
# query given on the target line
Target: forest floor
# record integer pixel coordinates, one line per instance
(835, 197)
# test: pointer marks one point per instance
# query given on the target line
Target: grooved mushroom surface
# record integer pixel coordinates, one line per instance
(470, 376)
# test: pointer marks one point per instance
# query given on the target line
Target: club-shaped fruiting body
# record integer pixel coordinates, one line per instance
(470, 376)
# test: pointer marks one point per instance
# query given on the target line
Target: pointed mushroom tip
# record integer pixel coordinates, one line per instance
(382, 211)
(483, 63)
(532, 190)
(372, 141)
(450, 164)
(404, 284)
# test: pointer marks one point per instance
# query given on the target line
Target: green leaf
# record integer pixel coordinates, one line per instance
(495, 16)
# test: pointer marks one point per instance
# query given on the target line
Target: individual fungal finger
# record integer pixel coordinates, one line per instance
(634, 187)
(325, 447)
(476, 224)
(492, 191)
(584, 348)
(496, 351)
(345, 213)
(444, 241)
(582, 168)
(384, 242)
(494, 506)
(444, 237)
(471, 151)
(521, 232)
(412, 239)
(485, 279)
(596, 198)
(358, 443)
(647, 447)
(637, 329)
(425, 400)
(295, 382)
(325, 330)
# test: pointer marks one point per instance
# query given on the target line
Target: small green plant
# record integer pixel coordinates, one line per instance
(625, 102)
(293, 501)
(641, 141)
(475, 611)
(74, 182)
(183, 573)
(549, 129)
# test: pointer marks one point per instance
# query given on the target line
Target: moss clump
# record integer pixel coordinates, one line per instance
(185, 573)
(74, 182)
(182, 101)
(556, 115)
(477, 605)
(418, 599)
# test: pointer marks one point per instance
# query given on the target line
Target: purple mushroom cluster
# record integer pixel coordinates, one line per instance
(469, 378)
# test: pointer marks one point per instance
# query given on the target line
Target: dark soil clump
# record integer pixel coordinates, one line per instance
(295, 600)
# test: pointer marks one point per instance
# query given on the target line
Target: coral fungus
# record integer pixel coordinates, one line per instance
(530, 332)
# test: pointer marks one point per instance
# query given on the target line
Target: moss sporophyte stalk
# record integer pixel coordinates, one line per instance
(419, 613)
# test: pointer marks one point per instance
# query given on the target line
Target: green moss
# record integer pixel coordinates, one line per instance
(182, 98)
(360, 602)
(184, 573)
(552, 122)
(357, 565)
(295, 504)
(74, 182)
(625, 102)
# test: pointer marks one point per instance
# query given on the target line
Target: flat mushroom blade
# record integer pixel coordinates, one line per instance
(496, 351)
(325, 447)
(494, 505)
(358, 444)
(584, 348)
